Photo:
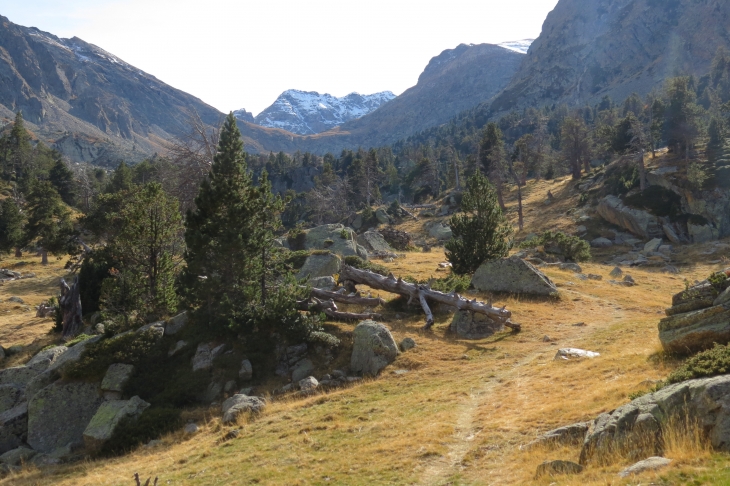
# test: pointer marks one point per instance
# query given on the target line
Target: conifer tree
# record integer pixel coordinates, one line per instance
(63, 180)
(492, 158)
(121, 180)
(230, 244)
(482, 232)
(11, 227)
(19, 150)
(49, 221)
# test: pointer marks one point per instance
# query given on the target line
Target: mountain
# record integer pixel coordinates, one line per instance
(86, 102)
(454, 81)
(308, 112)
(592, 48)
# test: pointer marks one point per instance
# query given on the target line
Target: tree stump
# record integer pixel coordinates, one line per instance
(70, 305)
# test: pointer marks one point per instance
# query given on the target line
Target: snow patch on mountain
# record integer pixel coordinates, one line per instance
(518, 46)
(309, 112)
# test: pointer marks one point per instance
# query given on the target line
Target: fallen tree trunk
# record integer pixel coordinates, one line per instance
(422, 293)
(347, 299)
(329, 308)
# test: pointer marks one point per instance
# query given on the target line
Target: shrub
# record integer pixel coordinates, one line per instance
(571, 247)
(296, 259)
(715, 361)
(621, 178)
(357, 262)
(296, 238)
(153, 423)
(452, 283)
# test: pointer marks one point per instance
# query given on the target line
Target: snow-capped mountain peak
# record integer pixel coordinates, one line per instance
(518, 46)
(309, 112)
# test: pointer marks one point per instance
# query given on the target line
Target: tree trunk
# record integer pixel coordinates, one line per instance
(70, 306)
(44, 257)
(422, 293)
(642, 171)
(500, 196)
(456, 176)
(521, 221)
(18, 253)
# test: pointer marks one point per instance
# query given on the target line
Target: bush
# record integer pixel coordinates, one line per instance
(296, 238)
(452, 283)
(621, 178)
(153, 423)
(571, 247)
(715, 361)
(357, 262)
(296, 259)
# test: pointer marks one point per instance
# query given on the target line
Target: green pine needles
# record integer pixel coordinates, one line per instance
(481, 233)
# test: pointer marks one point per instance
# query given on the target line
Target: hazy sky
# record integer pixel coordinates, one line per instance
(243, 53)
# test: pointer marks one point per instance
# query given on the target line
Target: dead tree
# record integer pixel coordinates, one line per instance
(70, 305)
(329, 308)
(350, 276)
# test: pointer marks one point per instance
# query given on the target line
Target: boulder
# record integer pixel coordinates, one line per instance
(469, 325)
(702, 233)
(176, 324)
(314, 240)
(374, 242)
(601, 243)
(573, 267)
(639, 222)
(670, 233)
(374, 348)
(178, 346)
(324, 283)
(10, 396)
(635, 428)
(324, 265)
(308, 384)
(512, 275)
(652, 246)
(156, 328)
(13, 427)
(357, 221)
(116, 377)
(695, 331)
(17, 457)
(382, 216)
(17, 375)
(72, 355)
(191, 429)
(246, 371)
(41, 361)
(107, 418)
(59, 414)
(301, 370)
(616, 272)
(238, 404)
(557, 468)
(440, 231)
(205, 354)
(568, 435)
(650, 464)
(38, 383)
(407, 344)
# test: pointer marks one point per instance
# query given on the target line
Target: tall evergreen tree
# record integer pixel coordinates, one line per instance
(49, 221)
(121, 179)
(492, 158)
(18, 150)
(683, 115)
(11, 227)
(63, 180)
(576, 144)
(482, 232)
(230, 244)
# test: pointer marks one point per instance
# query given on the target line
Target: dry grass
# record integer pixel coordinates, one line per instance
(463, 408)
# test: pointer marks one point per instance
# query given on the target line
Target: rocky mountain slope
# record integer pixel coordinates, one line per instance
(592, 48)
(455, 80)
(308, 112)
(86, 102)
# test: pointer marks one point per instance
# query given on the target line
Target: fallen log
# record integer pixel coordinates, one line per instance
(422, 293)
(347, 299)
(329, 308)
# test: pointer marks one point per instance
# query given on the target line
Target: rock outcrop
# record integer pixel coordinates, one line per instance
(318, 238)
(239, 404)
(512, 275)
(107, 418)
(374, 242)
(637, 221)
(374, 348)
(324, 265)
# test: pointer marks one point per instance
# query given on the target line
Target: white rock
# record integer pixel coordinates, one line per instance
(650, 464)
(567, 353)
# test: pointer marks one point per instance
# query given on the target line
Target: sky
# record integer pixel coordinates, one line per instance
(236, 54)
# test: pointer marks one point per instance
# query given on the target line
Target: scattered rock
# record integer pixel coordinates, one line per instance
(106, 419)
(702, 233)
(593, 276)
(205, 354)
(374, 348)
(212, 392)
(157, 328)
(400, 240)
(470, 325)
(407, 344)
(568, 435)
(301, 370)
(601, 243)
(652, 246)
(373, 241)
(568, 353)
(116, 377)
(650, 464)
(557, 468)
(616, 272)
(191, 429)
(695, 331)
(440, 231)
(324, 265)
(176, 324)
(573, 267)
(16, 300)
(13, 427)
(238, 404)
(17, 375)
(546, 339)
(382, 216)
(231, 434)
(308, 384)
(314, 240)
(629, 281)
(512, 275)
(246, 371)
(324, 283)
(59, 413)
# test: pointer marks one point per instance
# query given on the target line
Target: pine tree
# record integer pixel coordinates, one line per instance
(19, 150)
(11, 227)
(683, 115)
(492, 158)
(121, 180)
(576, 144)
(49, 221)
(482, 232)
(230, 245)
(63, 180)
